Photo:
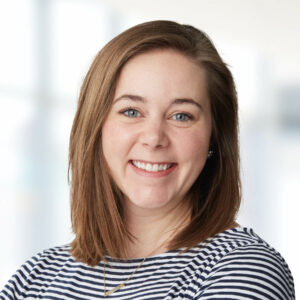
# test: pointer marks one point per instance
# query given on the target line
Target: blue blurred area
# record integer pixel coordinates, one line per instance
(46, 49)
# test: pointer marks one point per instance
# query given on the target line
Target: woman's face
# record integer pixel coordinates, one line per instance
(156, 136)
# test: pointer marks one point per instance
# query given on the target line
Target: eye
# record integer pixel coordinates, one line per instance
(130, 113)
(182, 117)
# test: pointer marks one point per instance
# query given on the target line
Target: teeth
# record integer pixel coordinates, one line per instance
(151, 167)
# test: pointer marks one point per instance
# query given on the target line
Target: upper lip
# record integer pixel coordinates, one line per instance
(155, 162)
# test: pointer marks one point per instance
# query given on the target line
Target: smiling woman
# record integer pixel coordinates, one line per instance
(163, 127)
(155, 185)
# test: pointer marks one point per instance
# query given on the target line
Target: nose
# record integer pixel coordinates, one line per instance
(153, 135)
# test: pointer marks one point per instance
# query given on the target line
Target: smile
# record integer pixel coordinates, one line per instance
(151, 167)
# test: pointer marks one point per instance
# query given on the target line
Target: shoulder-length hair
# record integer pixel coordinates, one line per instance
(96, 201)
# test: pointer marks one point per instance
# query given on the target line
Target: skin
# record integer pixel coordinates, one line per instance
(148, 122)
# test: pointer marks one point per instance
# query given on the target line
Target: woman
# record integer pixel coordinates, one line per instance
(155, 182)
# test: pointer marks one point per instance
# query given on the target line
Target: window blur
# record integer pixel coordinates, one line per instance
(46, 49)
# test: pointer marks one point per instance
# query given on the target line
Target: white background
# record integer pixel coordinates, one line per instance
(46, 49)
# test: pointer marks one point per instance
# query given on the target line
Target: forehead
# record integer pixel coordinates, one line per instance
(162, 72)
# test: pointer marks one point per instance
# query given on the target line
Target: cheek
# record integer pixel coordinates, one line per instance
(194, 146)
(116, 140)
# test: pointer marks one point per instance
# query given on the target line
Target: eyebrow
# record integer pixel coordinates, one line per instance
(137, 98)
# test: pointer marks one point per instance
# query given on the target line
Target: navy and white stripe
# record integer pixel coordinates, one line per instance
(235, 264)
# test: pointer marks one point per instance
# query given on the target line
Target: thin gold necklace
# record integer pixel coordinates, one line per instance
(121, 285)
(118, 287)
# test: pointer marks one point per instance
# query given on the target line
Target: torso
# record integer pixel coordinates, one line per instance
(234, 258)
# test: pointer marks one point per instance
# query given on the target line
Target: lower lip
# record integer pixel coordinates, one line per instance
(152, 174)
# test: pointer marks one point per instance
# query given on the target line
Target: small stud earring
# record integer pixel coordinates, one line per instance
(210, 153)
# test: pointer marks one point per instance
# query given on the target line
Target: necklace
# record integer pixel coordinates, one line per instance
(118, 287)
(121, 285)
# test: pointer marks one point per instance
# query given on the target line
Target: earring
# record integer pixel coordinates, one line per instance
(210, 153)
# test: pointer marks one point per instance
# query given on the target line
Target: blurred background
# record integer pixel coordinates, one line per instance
(48, 46)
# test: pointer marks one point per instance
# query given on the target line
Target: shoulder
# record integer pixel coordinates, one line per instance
(244, 264)
(47, 262)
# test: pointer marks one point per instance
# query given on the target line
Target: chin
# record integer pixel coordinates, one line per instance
(152, 202)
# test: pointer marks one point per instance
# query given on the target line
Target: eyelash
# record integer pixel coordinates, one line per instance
(190, 117)
(123, 112)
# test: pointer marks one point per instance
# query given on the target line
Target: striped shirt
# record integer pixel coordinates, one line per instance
(235, 264)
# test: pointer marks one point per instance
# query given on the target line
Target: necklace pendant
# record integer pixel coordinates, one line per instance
(120, 285)
(114, 289)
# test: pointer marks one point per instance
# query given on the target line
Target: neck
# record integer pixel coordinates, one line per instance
(153, 229)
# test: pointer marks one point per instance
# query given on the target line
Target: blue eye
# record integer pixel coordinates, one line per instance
(182, 117)
(131, 113)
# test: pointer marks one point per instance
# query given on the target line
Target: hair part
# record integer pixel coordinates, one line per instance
(96, 201)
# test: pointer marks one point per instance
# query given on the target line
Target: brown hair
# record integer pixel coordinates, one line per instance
(96, 206)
